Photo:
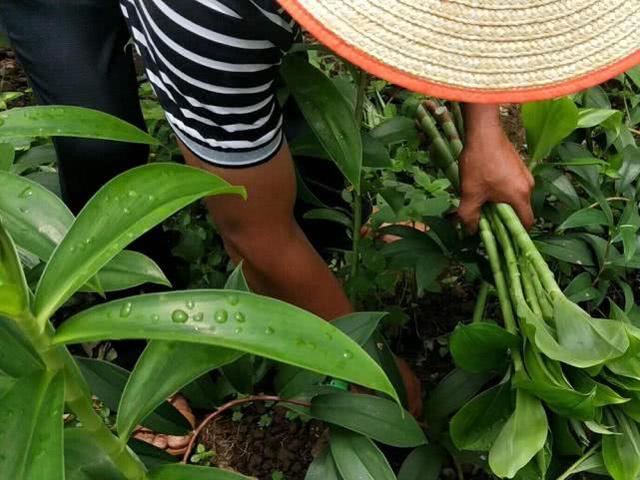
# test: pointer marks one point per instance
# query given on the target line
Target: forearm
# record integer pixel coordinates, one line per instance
(481, 119)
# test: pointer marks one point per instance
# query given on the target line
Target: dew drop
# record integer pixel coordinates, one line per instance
(133, 193)
(179, 316)
(198, 317)
(347, 354)
(23, 210)
(233, 299)
(126, 210)
(238, 330)
(125, 310)
(328, 336)
(26, 193)
(190, 304)
(239, 317)
(87, 241)
(155, 318)
(221, 316)
(151, 198)
(269, 331)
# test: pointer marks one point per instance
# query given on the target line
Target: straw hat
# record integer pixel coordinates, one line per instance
(480, 50)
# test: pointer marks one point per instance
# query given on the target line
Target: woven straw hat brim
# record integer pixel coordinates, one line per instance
(484, 51)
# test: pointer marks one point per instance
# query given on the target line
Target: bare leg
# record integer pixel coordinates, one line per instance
(278, 259)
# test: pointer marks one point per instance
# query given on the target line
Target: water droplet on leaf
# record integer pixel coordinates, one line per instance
(221, 316)
(239, 316)
(233, 299)
(179, 316)
(269, 331)
(347, 354)
(190, 304)
(198, 317)
(125, 310)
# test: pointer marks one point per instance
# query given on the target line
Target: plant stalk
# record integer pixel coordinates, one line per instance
(357, 201)
(481, 303)
(78, 400)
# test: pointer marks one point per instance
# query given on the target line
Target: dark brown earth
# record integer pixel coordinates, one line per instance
(12, 78)
(247, 447)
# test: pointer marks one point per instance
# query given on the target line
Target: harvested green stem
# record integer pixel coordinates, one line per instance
(444, 118)
(481, 303)
(521, 237)
(501, 285)
(458, 118)
(529, 290)
(442, 156)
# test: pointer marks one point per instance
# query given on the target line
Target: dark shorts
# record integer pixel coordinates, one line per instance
(213, 65)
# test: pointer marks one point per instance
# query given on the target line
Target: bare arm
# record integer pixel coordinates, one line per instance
(491, 169)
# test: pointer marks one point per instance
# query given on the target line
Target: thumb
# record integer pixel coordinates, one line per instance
(469, 212)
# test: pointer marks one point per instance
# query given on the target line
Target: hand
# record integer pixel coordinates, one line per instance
(491, 170)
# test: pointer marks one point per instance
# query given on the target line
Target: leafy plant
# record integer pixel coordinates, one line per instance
(208, 328)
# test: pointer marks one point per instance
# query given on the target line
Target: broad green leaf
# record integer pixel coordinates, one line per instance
(357, 457)
(14, 293)
(478, 423)
(329, 215)
(567, 249)
(374, 417)
(456, 389)
(237, 280)
(521, 438)
(241, 374)
(481, 347)
(374, 152)
(191, 472)
(621, 453)
(360, 325)
(587, 217)
(292, 381)
(7, 155)
(547, 124)
(162, 370)
(396, 129)
(328, 114)
(37, 219)
(34, 158)
(378, 348)
(68, 121)
(630, 168)
(323, 467)
(587, 340)
(31, 436)
(18, 358)
(121, 211)
(107, 382)
(424, 463)
(581, 288)
(236, 320)
(129, 269)
(85, 460)
(591, 117)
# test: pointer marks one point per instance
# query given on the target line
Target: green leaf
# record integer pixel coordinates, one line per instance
(395, 130)
(121, 211)
(68, 121)
(378, 348)
(163, 369)
(7, 156)
(107, 381)
(547, 124)
(567, 249)
(424, 463)
(374, 154)
(130, 269)
(34, 158)
(591, 117)
(14, 293)
(621, 453)
(237, 280)
(374, 417)
(358, 457)
(456, 389)
(191, 472)
(580, 289)
(85, 460)
(360, 325)
(323, 467)
(481, 347)
(329, 215)
(521, 438)
(236, 320)
(241, 374)
(328, 114)
(478, 423)
(18, 357)
(37, 219)
(587, 217)
(31, 438)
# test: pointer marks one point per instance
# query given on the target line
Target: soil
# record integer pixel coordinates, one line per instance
(244, 446)
(13, 78)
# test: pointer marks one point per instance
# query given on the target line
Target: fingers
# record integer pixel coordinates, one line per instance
(469, 212)
(524, 211)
